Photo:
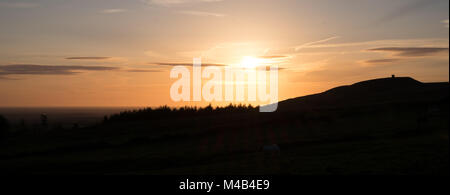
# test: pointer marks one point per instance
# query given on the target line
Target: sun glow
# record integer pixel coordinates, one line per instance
(251, 62)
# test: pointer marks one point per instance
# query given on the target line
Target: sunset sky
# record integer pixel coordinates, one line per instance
(119, 53)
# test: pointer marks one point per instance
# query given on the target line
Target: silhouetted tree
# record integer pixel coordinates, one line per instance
(58, 127)
(208, 108)
(187, 111)
(44, 120)
(23, 125)
(4, 127)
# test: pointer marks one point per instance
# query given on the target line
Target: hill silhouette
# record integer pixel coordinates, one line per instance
(365, 93)
(381, 126)
(371, 92)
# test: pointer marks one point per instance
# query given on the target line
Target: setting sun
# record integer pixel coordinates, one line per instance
(242, 89)
(250, 62)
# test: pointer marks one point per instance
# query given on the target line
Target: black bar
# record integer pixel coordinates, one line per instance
(291, 184)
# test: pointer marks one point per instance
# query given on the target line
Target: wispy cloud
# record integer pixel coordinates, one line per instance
(183, 64)
(33, 69)
(199, 13)
(412, 51)
(18, 4)
(315, 42)
(382, 43)
(113, 11)
(268, 68)
(445, 22)
(409, 8)
(273, 57)
(142, 70)
(176, 2)
(88, 58)
(382, 61)
(6, 78)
